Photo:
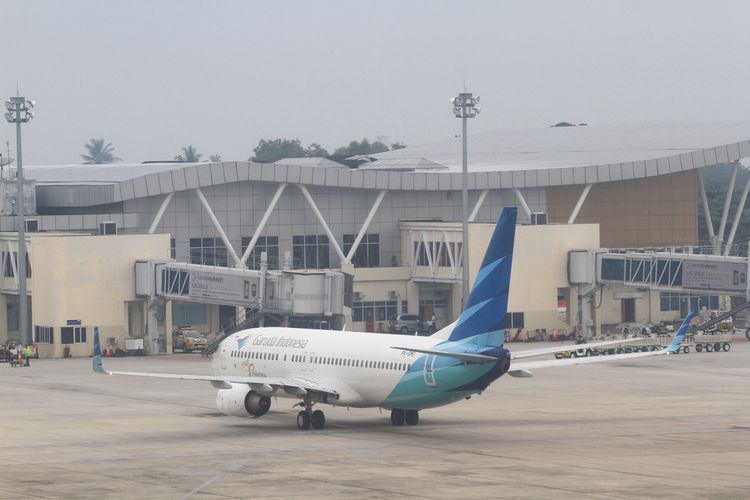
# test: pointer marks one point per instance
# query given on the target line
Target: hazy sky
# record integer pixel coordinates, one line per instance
(152, 76)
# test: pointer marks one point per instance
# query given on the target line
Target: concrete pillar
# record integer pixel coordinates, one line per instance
(151, 340)
(3, 318)
(168, 324)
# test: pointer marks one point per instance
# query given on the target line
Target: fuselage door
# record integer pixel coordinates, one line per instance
(429, 371)
(307, 364)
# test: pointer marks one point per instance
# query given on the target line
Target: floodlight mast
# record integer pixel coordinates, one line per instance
(465, 105)
(19, 111)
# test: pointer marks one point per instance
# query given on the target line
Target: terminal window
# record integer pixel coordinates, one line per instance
(73, 335)
(613, 269)
(268, 244)
(185, 313)
(513, 320)
(43, 335)
(310, 251)
(438, 252)
(671, 301)
(368, 251)
(374, 310)
(10, 262)
(208, 252)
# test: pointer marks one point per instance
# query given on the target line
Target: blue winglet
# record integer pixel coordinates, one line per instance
(485, 309)
(98, 368)
(677, 341)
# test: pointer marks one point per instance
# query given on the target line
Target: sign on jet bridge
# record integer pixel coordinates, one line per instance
(217, 287)
(720, 276)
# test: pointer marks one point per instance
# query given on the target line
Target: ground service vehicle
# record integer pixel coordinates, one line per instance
(410, 324)
(188, 339)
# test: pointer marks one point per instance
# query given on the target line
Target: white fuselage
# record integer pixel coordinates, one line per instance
(362, 367)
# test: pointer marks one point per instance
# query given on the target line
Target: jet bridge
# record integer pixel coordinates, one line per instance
(674, 271)
(280, 292)
(660, 270)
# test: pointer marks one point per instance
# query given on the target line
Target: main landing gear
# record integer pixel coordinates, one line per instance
(398, 417)
(308, 417)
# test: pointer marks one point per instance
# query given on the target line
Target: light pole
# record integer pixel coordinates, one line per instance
(19, 111)
(465, 105)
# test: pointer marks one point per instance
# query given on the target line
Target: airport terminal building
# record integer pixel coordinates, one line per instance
(137, 249)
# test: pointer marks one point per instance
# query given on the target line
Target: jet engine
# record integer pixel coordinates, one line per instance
(241, 401)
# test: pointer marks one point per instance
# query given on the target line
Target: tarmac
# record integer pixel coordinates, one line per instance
(663, 427)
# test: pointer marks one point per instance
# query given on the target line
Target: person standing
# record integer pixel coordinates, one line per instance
(27, 353)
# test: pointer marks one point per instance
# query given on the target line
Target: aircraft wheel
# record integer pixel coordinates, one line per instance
(397, 416)
(318, 419)
(412, 417)
(303, 420)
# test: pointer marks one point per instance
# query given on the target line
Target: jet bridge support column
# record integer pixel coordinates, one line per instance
(586, 295)
(582, 275)
(154, 341)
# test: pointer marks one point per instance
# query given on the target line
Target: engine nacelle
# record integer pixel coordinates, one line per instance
(240, 401)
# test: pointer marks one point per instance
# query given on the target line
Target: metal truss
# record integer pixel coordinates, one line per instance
(436, 253)
(717, 238)
(10, 248)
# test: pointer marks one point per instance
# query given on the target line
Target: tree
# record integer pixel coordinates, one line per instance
(215, 158)
(315, 150)
(269, 151)
(99, 153)
(363, 147)
(189, 155)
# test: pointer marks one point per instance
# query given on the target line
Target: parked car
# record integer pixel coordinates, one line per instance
(408, 324)
(188, 339)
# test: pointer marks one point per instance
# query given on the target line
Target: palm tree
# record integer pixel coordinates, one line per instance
(99, 152)
(189, 155)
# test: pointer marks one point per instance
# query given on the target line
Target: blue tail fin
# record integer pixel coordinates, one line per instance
(677, 341)
(484, 311)
(97, 352)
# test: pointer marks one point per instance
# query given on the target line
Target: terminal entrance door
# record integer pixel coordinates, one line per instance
(627, 309)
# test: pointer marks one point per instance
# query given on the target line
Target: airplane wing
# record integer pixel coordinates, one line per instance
(522, 370)
(292, 385)
(566, 348)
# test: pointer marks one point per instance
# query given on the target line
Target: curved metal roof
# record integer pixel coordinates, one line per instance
(560, 156)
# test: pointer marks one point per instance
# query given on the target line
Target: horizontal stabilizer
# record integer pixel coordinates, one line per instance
(471, 358)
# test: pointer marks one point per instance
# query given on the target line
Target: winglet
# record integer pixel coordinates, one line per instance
(677, 341)
(98, 368)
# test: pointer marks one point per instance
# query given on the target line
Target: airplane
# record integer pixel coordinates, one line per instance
(399, 373)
